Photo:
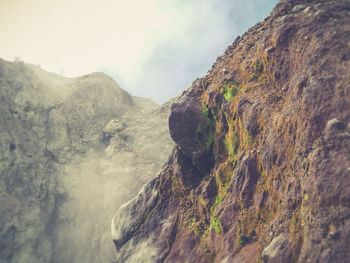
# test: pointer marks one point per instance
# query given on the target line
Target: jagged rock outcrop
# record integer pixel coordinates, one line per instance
(260, 172)
(72, 151)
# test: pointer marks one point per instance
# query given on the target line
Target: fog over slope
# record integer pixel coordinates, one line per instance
(72, 151)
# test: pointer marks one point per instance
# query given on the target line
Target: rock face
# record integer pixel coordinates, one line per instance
(260, 172)
(278, 250)
(72, 151)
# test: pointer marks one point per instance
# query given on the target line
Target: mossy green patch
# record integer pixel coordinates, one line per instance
(231, 142)
(258, 67)
(248, 139)
(208, 134)
(210, 141)
(246, 238)
(222, 181)
(205, 113)
(258, 70)
(220, 198)
(215, 224)
(230, 91)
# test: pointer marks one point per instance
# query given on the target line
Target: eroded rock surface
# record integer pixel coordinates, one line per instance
(278, 250)
(261, 167)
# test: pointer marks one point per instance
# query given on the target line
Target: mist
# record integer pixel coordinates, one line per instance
(95, 184)
(73, 150)
(142, 45)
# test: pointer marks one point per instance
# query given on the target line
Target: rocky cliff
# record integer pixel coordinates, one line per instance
(72, 151)
(260, 171)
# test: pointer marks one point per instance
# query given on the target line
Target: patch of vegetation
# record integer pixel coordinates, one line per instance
(231, 142)
(225, 179)
(248, 139)
(176, 184)
(242, 242)
(215, 224)
(258, 67)
(210, 141)
(205, 113)
(222, 181)
(246, 238)
(201, 200)
(230, 91)
(220, 198)
(210, 130)
(195, 226)
(258, 70)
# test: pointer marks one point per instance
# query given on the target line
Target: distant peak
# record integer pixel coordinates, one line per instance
(97, 75)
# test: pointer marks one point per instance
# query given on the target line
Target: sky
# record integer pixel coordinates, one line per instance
(152, 48)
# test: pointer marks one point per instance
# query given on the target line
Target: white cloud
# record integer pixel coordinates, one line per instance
(153, 48)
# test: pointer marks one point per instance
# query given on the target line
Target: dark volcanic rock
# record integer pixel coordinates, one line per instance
(275, 124)
(184, 120)
(191, 127)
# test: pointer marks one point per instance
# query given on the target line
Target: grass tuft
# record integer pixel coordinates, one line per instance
(215, 224)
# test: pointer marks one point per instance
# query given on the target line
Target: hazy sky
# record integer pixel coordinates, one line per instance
(152, 48)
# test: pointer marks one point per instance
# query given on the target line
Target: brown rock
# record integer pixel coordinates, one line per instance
(278, 251)
(278, 150)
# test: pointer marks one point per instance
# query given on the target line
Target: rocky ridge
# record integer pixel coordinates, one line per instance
(260, 171)
(72, 151)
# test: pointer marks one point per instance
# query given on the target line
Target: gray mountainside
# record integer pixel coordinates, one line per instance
(72, 150)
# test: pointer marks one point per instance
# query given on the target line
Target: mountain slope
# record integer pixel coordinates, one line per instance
(260, 172)
(63, 168)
